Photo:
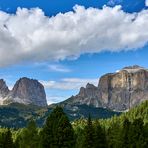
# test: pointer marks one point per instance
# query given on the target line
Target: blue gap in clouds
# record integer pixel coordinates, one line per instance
(52, 7)
(95, 65)
(132, 5)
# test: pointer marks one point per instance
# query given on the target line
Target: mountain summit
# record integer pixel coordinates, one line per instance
(25, 91)
(117, 91)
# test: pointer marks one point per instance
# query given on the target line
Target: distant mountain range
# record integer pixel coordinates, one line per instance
(117, 91)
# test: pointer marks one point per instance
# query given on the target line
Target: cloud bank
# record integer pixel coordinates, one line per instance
(68, 83)
(29, 35)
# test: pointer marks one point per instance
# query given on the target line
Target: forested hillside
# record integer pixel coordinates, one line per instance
(129, 130)
(17, 115)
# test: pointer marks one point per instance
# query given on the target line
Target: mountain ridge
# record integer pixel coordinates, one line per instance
(118, 91)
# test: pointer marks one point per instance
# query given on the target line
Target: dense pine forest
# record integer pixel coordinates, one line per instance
(129, 130)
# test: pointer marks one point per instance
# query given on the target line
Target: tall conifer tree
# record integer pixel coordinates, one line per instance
(99, 137)
(88, 141)
(57, 132)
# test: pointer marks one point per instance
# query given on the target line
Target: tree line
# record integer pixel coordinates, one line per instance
(58, 132)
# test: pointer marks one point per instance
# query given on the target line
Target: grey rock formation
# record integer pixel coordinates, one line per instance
(124, 89)
(3, 90)
(117, 91)
(88, 95)
(25, 91)
(29, 91)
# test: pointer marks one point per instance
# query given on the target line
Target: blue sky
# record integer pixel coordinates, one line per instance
(65, 46)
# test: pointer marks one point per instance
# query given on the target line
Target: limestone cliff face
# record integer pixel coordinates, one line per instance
(25, 91)
(118, 91)
(124, 89)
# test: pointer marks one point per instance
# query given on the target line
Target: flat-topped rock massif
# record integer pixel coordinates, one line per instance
(117, 91)
(124, 89)
(25, 91)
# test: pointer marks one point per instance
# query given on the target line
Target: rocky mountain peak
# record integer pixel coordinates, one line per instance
(90, 86)
(25, 91)
(87, 90)
(87, 95)
(3, 88)
(134, 67)
(29, 91)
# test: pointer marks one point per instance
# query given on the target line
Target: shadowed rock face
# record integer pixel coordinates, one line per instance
(29, 91)
(88, 95)
(3, 89)
(118, 91)
(26, 91)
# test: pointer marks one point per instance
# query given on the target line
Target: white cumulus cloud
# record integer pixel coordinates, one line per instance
(68, 83)
(58, 68)
(114, 2)
(29, 35)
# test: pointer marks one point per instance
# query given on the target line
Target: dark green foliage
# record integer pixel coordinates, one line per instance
(93, 135)
(100, 140)
(130, 130)
(84, 110)
(113, 135)
(19, 114)
(125, 133)
(136, 134)
(145, 133)
(89, 135)
(28, 137)
(57, 132)
(79, 133)
(140, 111)
(6, 140)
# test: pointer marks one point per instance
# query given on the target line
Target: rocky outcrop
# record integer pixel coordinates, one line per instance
(3, 88)
(117, 91)
(25, 91)
(88, 95)
(4, 91)
(29, 91)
